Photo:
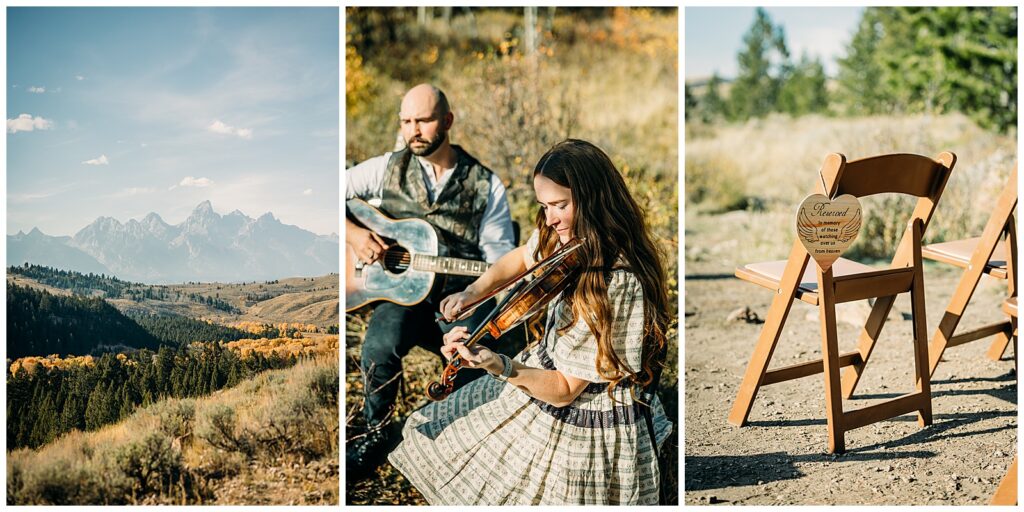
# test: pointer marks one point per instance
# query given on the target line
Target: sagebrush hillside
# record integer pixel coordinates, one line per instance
(305, 300)
(270, 440)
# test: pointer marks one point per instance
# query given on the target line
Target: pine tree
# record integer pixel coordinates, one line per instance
(804, 92)
(756, 89)
(713, 106)
(861, 88)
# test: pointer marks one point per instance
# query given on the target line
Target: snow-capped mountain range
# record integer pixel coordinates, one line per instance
(206, 246)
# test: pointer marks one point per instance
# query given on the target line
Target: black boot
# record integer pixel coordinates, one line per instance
(363, 455)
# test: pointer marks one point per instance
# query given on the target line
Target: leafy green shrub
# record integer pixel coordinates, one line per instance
(218, 428)
(61, 482)
(150, 464)
(324, 384)
(298, 425)
(177, 418)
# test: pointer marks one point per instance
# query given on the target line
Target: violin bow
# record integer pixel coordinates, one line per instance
(555, 257)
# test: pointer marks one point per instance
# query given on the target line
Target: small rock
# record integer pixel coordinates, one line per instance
(744, 314)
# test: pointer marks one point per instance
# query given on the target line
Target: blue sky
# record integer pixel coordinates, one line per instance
(714, 35)
(123, 111)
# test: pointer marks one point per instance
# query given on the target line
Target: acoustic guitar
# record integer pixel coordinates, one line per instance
(405, 273)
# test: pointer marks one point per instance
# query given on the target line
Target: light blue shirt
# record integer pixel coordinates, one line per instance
(366, 181)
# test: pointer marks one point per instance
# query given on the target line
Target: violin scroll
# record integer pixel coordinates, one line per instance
(437, 391)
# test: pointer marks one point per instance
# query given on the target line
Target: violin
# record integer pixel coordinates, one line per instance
(530, 292)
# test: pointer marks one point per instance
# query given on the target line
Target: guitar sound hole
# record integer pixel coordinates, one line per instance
(397, 259)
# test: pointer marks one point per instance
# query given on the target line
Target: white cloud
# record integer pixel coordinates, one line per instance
(189, 181)
(100, 160)
(219, 127)
(38, 90)
(79, 78)
(27, 123)
(307, 192)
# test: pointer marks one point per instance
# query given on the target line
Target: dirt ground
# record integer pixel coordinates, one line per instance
(780, 456)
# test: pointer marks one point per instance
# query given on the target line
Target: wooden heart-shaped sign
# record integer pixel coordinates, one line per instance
(827, 227)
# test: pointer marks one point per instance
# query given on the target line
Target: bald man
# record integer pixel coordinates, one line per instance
(433, 180)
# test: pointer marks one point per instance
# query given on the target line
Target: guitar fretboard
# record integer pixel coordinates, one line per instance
(444, 265)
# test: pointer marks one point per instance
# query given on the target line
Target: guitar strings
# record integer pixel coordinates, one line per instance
(397, 259)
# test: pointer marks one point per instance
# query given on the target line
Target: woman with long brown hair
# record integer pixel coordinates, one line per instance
(572, 427)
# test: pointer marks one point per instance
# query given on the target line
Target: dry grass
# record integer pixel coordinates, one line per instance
(767, 166)
(305, 300)
(103, 466)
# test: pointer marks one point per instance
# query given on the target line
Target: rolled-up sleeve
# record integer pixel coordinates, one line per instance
(366, 180)
(496, 236)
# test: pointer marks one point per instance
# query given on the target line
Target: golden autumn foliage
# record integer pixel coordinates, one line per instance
(299, 347)
(311, 346)
(32, 363)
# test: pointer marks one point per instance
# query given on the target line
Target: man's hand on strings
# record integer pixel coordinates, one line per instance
(369, 246)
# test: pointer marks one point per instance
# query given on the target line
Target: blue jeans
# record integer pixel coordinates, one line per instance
(394, 330)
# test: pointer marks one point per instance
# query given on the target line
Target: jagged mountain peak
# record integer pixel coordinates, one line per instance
(204, 207)
(205, 246)
(153, 217)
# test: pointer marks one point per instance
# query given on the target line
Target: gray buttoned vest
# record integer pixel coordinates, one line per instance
(456, 211)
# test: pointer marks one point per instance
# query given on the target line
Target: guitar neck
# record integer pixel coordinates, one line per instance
(445, 265)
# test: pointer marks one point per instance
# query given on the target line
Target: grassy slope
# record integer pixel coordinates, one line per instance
(88, 461)
(293, 300)
(760, 170)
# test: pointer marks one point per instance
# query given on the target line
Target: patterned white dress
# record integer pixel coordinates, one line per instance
(490, 443)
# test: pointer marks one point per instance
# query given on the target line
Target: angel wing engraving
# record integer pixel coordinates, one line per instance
(806, 228)
(850, 229)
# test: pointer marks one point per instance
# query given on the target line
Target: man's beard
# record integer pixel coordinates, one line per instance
(431, 145)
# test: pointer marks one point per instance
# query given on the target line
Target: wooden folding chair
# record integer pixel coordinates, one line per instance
(1006, 493)
(1010, 308)
(847, 281)
(993, 253)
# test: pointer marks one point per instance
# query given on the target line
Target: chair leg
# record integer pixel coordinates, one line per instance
(758, 364)
(998, 346)
(776, 318)
(830, 360)
(866, 343)
(921, 368)
(1016, 356)
(940, 341)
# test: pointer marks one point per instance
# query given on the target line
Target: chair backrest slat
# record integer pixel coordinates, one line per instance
(902, 173)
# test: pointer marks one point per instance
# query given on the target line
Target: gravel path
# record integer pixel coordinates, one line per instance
(780, 457)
